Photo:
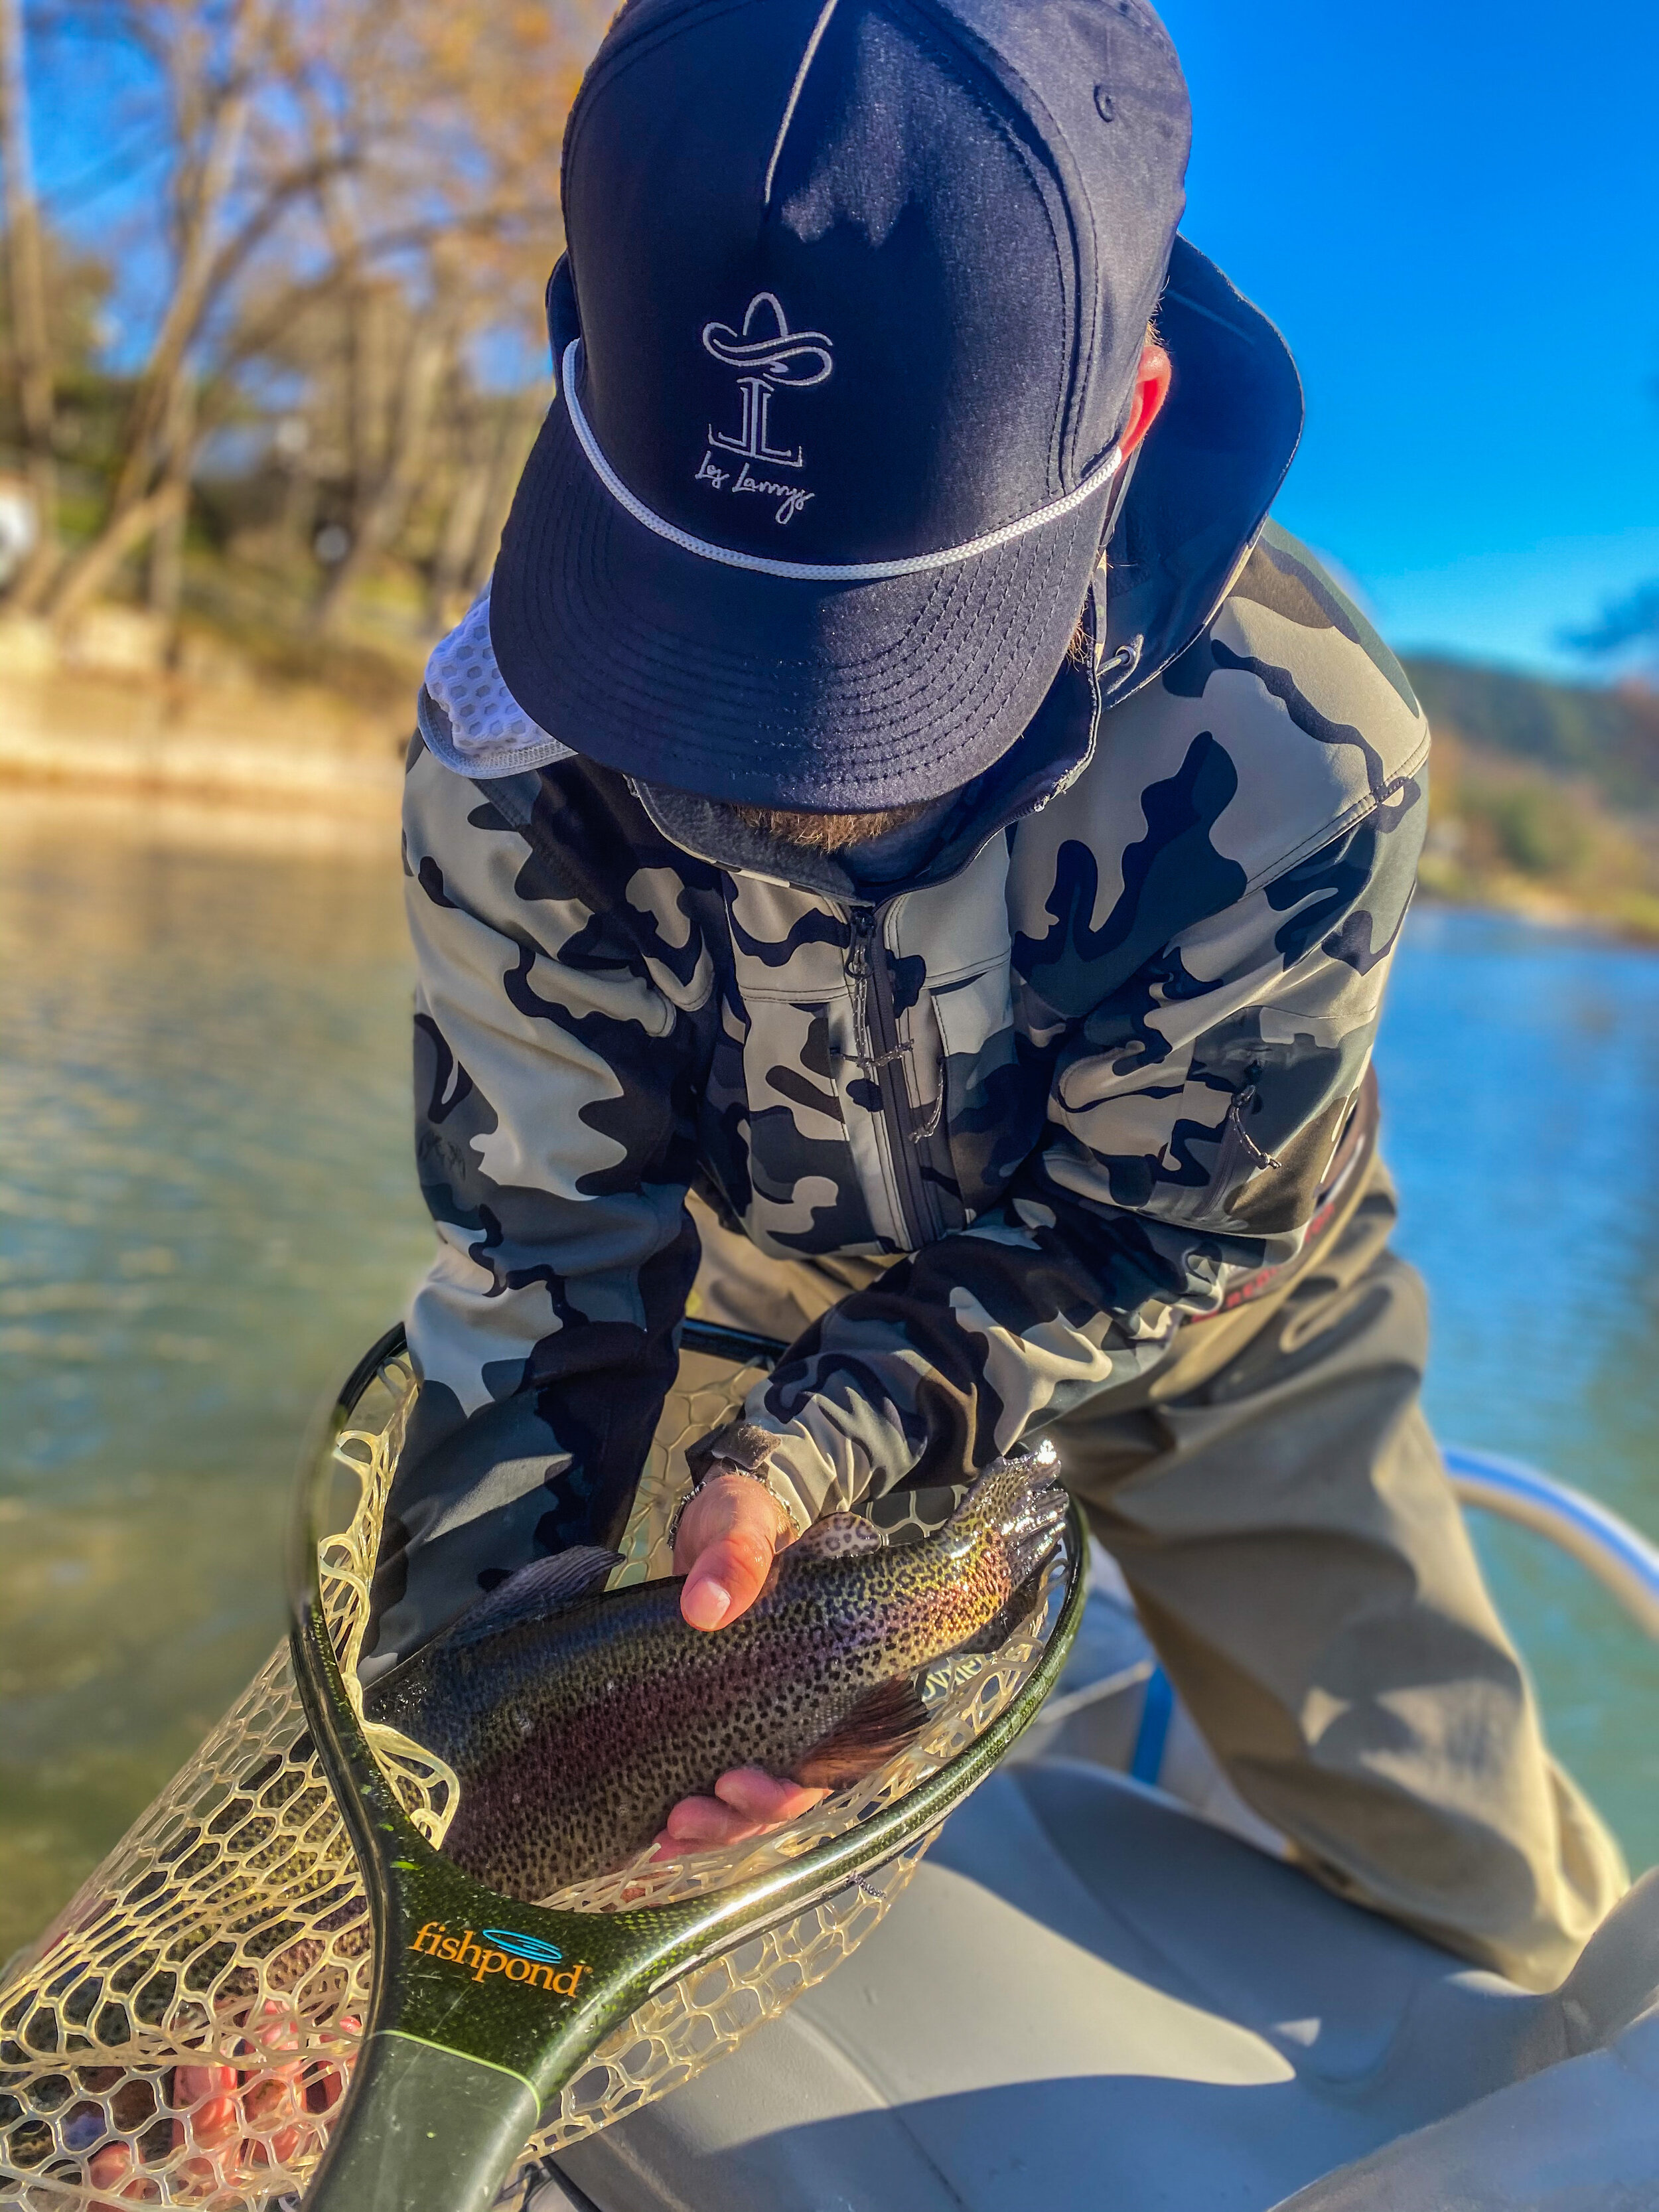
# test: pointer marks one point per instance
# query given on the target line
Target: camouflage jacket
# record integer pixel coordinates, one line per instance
(1078, 1082)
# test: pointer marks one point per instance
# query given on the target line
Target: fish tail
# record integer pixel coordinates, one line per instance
(1018, 1502)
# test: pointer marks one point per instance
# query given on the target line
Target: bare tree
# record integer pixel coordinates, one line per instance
(392, 421)
(214, 70)
(26, 291)
(492, 89)
(493, 436)
(383, 168)
(516, 424)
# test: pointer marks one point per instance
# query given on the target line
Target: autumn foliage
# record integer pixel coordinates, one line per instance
(349, 234)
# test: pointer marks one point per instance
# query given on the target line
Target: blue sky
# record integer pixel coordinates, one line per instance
(1451, 209)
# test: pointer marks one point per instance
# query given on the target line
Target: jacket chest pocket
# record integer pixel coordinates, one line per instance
(994, 1108)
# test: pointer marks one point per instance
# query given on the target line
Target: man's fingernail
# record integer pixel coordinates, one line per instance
(707, 1604)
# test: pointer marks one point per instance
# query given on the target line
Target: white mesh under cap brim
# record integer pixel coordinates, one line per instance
(482, 730)
(812, 572)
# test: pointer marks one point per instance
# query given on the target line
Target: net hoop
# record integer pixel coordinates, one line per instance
(185, 2032)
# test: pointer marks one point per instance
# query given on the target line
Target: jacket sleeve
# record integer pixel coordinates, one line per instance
(555, 1046)
(1192, 1125)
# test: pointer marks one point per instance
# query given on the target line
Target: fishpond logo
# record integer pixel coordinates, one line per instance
(502, 1951)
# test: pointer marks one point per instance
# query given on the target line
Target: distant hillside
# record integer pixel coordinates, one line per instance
(1608, 738)
(1544, 797)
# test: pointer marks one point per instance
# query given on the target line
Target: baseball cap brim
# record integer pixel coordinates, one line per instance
(663, 664)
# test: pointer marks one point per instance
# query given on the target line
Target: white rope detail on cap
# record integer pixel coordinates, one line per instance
(811, 572)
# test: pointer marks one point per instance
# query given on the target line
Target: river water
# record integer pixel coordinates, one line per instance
(207, 1209)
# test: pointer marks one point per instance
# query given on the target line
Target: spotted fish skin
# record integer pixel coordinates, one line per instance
(575, 1726)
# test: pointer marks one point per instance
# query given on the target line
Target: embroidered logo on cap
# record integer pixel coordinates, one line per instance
(772, 357)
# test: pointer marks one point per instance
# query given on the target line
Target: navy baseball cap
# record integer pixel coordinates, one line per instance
(845, 336)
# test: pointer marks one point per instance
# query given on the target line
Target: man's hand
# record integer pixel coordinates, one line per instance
(728, 1537)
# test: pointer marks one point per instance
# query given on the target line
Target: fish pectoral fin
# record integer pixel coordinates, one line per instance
(541, 1588)
(882, 1722)
(839, 1536)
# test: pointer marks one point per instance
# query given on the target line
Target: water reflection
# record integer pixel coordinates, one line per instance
(1520, 1071)
(207, 1209)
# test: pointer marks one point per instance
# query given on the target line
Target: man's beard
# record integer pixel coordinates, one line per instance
(827, 833)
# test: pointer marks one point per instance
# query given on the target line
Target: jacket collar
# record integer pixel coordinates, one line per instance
(1206, 476)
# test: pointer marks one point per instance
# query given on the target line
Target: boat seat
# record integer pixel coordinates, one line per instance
(1090, 1998)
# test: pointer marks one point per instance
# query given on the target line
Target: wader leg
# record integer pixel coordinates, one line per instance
(1281, 1512)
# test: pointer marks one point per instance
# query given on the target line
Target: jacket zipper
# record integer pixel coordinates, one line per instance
(873, 980)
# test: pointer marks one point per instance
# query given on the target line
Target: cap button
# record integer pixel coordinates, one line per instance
(1103, 103)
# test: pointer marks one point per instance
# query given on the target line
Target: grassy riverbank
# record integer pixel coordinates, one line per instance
(1524, 842)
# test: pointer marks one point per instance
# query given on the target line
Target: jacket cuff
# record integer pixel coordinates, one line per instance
(792, 1468)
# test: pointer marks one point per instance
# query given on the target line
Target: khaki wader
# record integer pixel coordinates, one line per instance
(1281, 1512)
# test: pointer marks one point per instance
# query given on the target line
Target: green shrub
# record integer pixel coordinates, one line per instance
(1538, 829)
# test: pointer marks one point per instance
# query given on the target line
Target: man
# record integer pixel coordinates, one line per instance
(907, 859)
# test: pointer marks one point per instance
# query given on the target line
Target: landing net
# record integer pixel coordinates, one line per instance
(183, 2032)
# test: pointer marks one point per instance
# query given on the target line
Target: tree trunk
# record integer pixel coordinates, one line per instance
(463, 519)
(166, 578)
(156, 405)
(383, 493)
(25, 284)
(81, 580)
(518, 425)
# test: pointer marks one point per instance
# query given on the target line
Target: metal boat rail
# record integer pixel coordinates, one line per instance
(1620, 1557)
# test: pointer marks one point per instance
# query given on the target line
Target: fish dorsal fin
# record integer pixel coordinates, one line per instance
(882, 1722)
(842, 1536)
(537, 1590)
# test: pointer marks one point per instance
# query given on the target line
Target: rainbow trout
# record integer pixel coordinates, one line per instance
(576, 1719)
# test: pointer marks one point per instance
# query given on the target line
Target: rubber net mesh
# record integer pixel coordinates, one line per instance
(183, 2032)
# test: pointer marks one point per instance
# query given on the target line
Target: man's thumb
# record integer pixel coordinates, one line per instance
(725, 1582)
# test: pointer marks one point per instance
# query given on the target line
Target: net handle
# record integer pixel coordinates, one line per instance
(432, 2129)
